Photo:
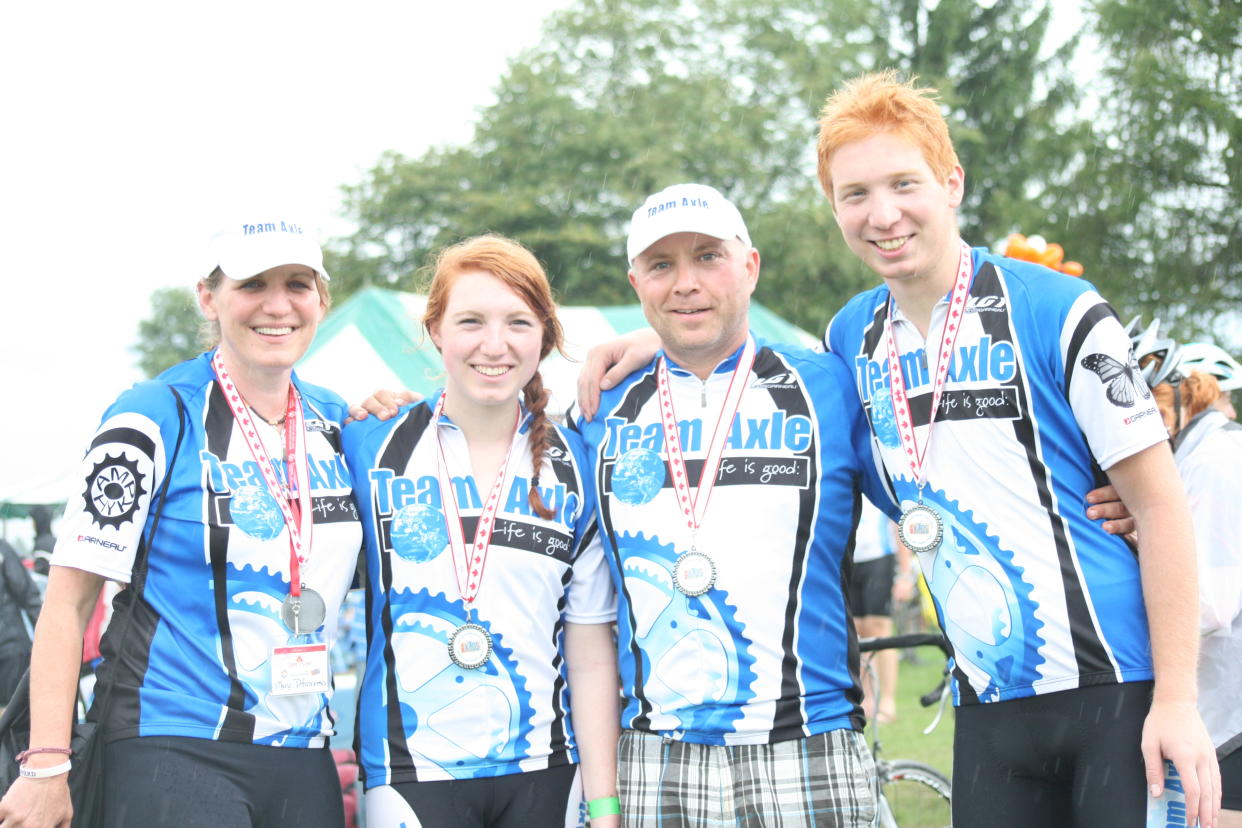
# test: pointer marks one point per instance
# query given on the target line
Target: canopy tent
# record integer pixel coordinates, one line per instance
(375, 340)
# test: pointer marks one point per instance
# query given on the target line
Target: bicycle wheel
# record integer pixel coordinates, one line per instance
(918, 795)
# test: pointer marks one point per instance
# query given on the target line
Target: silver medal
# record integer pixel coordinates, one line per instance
(694, 573)
(303, 614)
(920, 528)
(470, 646)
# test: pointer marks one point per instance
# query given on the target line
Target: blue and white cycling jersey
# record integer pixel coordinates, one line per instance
(421, 717)
(1042, 394)
(768, 654)
(197, 657)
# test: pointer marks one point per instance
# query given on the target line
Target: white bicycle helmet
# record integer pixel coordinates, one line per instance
(1158, 357)
(1211, 359)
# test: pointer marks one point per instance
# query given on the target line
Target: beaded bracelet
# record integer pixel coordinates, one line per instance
(26, 754)
(604, 806)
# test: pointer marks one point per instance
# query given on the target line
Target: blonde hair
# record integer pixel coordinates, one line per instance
(881, 102)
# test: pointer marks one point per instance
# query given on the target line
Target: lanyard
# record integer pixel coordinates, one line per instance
(469, 574)
(695, 507)
(293, 495)
(948, 339)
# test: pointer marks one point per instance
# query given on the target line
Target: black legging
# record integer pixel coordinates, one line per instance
(180, 782)
(1053, 761)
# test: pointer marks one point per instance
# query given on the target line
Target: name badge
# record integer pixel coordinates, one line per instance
(300, 669)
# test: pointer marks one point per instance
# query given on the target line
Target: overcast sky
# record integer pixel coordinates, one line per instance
(133, 128)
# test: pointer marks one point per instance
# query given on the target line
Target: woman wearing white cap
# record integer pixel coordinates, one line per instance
(217, 492)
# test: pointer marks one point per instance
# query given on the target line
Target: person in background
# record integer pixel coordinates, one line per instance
(19, 610)
(882, 575)
(1213, 360)
(219, 702)
(1207, 447)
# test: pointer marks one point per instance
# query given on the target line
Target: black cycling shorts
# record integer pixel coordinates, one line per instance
(1231, 781)
(1070, 758)
(181, 782)
(550, 798)
(871, 588)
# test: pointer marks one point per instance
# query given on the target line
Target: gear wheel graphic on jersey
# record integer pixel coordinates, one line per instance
(452, 716)
(637, 476)
(694, 645)
(113, 490)
(988, 613)
(254, 600)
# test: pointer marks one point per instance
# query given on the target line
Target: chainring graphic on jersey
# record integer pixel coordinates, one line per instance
(113, 489)
(694, 651)
(984, 603)
(456, 718)
(254, 600)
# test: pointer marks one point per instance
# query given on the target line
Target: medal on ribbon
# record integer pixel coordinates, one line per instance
(303, 609)
(694, 572)
(920, 526)
(470, 645)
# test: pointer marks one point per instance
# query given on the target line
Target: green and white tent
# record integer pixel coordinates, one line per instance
(375, 340)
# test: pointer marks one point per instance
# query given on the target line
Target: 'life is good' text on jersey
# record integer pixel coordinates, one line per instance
(768, 654)
(1041, 394)
(197, 659)
(421, 716)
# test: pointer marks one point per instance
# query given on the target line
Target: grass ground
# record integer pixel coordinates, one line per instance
(904, 739)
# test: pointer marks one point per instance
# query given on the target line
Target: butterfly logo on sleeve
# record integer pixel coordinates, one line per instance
(1122, 383)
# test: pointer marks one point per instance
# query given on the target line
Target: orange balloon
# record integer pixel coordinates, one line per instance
(1052, 255)
(1072, 268)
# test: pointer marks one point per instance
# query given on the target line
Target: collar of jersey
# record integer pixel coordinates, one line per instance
(434, 399)
(899, 316)
(726, 365)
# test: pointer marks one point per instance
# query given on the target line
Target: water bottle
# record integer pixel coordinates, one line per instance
(1169, 809)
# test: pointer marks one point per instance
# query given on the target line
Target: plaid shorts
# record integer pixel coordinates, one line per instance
(821, 781)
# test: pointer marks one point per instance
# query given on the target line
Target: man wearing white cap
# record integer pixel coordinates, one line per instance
(728, 491)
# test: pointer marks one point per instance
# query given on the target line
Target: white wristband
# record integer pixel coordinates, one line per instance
(43, 773)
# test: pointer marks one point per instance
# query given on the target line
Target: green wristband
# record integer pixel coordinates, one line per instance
(604, 806)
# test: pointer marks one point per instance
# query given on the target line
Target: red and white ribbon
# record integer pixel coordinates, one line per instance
(470, 573)
(948, 339)
(293, 495)
(695, 507)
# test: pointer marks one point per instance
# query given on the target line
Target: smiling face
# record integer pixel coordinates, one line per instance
(895, 213)
(267, 321)
(695, 291)
(490, 340)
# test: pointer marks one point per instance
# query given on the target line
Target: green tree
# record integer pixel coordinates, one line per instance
(627, 96)
(170, 334)
(1158, 206)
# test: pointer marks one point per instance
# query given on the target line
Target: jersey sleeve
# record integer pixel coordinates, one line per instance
(591, 597)
(1110, 400)
(106, 513)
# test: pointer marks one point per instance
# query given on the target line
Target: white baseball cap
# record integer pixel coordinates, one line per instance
(247, 248)
(684, 208)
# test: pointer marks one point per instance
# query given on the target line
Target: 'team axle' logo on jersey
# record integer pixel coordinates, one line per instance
(392, 493)
(225, 477)
(776, 433)
(986, 361)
